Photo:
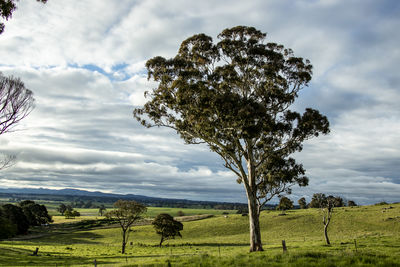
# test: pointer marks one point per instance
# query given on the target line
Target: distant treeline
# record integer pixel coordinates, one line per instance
(92, 201)
(16, 219)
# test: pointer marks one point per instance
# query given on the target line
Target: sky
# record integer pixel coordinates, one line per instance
(84, 60)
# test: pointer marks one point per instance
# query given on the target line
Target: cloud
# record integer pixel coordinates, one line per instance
(85, 63)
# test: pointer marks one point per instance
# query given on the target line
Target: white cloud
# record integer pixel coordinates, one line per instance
(85, 62)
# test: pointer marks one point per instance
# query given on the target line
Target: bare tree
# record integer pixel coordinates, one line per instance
(16, 102)
(6, 161)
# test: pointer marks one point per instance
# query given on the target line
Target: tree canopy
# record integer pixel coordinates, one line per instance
(302, 203)
(167, 227)
(15, 216)
(285, 204)
(235, 96)
(62, 208)
(36, 214)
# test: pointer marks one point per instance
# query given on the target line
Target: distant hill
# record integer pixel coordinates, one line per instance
(69, 194)
(63, 192)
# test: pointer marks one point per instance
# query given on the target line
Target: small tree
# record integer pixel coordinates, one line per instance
(302, 203)
(243, 210)
(71, 214)
(285, 204)
(317, 200)
(62, 208)
(167, 227)
(338, 202)
(180, 213)
(102, 209)
(76, 213)
(126, 213)
(326, 205)
(351, 203)
(327, 210)
(69, 207)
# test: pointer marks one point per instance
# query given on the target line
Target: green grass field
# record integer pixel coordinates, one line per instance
(223, 241)
(90, 214)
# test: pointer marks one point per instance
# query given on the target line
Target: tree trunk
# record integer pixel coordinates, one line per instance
(254, 219)
(123, 241)
(326, 234)
(162, 239)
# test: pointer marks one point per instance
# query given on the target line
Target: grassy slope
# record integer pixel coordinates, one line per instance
(224, 241)
(90, 214)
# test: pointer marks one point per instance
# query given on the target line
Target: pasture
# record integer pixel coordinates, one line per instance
(360, 236)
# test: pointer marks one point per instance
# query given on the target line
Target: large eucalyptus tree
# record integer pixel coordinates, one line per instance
(235, 96)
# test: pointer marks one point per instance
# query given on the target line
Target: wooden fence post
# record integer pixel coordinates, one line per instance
(284, 246)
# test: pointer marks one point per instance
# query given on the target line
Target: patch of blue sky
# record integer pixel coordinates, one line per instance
(118, 72)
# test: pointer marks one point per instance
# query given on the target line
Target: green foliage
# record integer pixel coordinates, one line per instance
(15, 216)
(36, 214)
(71, 214)
(16, 220)
(235, 96)
(243, 210)
(318, 200)
(302, 203)
(126, 211)
(338, 202)
(351, 203)
(180, 213)
(285, 204)
(62, 208)
(167, 227)
(7, 228)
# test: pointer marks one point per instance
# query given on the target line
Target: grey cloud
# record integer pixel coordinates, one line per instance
(82, 133)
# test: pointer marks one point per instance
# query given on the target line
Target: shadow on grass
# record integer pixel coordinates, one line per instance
(77, 237)
(199, 245)
(72, 233)
(23, 257)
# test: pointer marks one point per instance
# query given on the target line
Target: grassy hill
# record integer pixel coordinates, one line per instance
(360, 236)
